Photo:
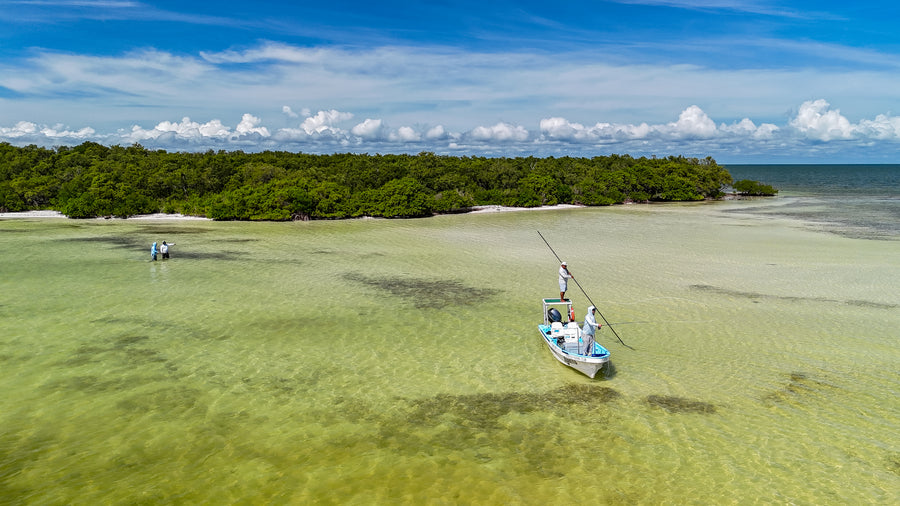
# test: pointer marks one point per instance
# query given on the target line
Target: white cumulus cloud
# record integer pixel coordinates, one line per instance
(746, 128)
(250, 125)
(325, 121)
(501, 132)
(883, 127)
(185, 130)
(435, 132)
(59, 131)
(405, 134)
(560, 128)
(369, 129)
(817, 121)
(693, 123)
(29, 130)
(20, 129)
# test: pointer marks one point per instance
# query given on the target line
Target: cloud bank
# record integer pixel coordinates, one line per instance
(816, 127)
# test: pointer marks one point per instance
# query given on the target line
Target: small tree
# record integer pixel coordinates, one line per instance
(754, 188)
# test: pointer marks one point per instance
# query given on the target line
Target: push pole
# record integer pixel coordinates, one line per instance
(586, 295)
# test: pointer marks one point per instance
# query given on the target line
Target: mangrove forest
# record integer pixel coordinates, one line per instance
(92, 180)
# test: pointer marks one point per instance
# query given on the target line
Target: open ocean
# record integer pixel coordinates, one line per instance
(862, 200)
(399, 362)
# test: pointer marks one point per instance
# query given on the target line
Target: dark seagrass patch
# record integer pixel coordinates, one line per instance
(674, 404)
(425, 293)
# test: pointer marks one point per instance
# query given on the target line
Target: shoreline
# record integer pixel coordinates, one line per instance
(181, 217)
(48, 214)
(59, 215)
(505, 209)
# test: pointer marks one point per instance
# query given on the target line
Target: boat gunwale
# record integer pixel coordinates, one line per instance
(576, 356)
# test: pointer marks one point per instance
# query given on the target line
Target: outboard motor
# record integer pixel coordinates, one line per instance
(553, 315)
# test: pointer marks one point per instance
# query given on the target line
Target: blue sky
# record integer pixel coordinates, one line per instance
(741, 81)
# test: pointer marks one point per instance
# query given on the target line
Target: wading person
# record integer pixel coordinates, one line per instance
(153, 252)
(164, 249)
(564, 276)
(587, 331)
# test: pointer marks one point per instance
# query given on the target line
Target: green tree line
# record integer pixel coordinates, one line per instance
(91, 180)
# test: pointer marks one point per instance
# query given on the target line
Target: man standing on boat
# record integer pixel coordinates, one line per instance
(564, 276)
(587, 332)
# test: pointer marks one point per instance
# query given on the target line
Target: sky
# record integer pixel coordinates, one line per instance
(757, 81)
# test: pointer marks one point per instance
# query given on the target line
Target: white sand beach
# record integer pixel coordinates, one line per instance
(57, 214)
(32, 214)
(503, 209)
(164, 216)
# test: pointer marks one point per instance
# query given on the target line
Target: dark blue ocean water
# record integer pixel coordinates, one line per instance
(861, 201)
(825, 180)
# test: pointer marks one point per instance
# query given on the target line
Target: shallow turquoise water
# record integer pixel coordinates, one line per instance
(377, 361)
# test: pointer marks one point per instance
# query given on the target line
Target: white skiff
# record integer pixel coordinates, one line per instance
(565, 341)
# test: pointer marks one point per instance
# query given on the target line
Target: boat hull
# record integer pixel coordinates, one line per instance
(589, 365)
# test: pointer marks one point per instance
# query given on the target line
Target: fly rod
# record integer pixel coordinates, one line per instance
(586, 295)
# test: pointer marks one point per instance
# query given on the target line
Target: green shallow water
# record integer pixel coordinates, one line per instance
(378, 361)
